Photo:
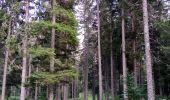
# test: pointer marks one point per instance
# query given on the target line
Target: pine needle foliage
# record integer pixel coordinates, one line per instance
(66, 38)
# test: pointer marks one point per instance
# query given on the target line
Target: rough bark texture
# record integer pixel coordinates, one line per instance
(36, 89)
(135, 64)
(5, 65)
(99, 55)
(4, 75)
(112, 69)
(51, 87)
(29, 74)
(58, 93)
(125, 93)
(150, 84)
(93, 92)
(24, 61)
(36, 92)
(86, 82)
(65, 95)
(134, 51)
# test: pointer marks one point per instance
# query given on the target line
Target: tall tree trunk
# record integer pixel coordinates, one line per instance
(86, 82)
(112, 68)
(58, 93)
(150, 81)
(134, 51)
(93, 90)
(125, 93)
(94, 77)
(65, 95)
(135, 64)
(99, 55)
(36, 89)
(6, 64)
(72, 90)
(51, 87)
(36, 92)
(29, 74)
(24, 60)
(76, 82)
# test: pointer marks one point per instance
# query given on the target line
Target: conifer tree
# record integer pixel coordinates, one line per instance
(125, 93)
(24, 60)
(148, 61)
(99, 54)
(6, 60)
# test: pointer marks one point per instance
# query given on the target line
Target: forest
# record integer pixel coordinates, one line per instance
(84, 49)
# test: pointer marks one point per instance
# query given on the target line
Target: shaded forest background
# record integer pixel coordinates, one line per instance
(125, 53)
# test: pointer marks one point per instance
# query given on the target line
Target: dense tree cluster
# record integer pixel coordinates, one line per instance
(129, 66)
(40, 49)
(124, 54)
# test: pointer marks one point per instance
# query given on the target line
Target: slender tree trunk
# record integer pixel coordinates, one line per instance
(51, 87)
(76, 81)
(135, 64)
(112, 69)
(36, 92)
(36, 89)
(65, 95)
(29, 74)
(99, 55)
(5, 75)
(86, 82)
(94, 77)
(24, 60)
(47, 92)
(72, 90)
(6, 64)
(93, 90)
(150, 81)
(58, 93)
(30, 66)
(125, 93)
(134, 51)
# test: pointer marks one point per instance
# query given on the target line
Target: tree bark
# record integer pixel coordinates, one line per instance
(93, 90)
(135, 69)
(36, 89)
(6, 64)
(65, 95)
(99, 55)
(36, 92)
(112, 68)
(150, 83)
(24, 60)
(58, 93)
(125, 93)
(51, 87)
(29, 74)
(86, 82)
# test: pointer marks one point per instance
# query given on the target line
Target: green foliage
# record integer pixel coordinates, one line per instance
(163, 28)
(13, 98)
(135, 92)
(41, 52)
(48, 78)
(67, 17)
(67, 4)
(3, 16)
(11, 44)
(44, 26)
